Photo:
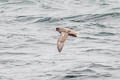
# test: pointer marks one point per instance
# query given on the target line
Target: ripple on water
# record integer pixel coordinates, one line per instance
(28, 40)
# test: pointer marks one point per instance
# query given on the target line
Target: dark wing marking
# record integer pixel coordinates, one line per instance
(61, 40)
(73, 35)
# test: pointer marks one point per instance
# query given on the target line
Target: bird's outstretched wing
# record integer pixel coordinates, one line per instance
(61, 40)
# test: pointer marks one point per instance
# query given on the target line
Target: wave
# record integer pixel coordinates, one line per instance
(77, 18)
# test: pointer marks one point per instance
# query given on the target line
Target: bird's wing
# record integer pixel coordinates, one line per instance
(61, 40)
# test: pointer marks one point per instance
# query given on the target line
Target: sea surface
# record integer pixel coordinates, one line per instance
(28, 40)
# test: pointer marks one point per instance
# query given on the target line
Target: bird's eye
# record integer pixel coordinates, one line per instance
(57, 29)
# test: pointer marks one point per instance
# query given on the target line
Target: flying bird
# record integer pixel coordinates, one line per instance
(64, 33)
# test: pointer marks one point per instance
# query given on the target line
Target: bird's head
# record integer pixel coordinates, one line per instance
(59, 29)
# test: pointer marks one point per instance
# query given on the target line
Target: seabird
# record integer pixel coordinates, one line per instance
(64, 33)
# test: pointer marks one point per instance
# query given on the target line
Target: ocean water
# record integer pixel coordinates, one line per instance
(28, 40)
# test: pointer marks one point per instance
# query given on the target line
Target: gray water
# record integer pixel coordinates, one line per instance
(28, 40)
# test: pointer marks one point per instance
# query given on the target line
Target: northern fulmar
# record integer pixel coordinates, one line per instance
(64, 33)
